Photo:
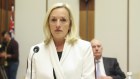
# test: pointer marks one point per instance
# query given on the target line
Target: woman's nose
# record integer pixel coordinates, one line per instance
(58, 24)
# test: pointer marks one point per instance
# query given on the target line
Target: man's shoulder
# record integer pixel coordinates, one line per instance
(109, 58)
(13, 41)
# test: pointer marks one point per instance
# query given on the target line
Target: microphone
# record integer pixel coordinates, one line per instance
(36, 49)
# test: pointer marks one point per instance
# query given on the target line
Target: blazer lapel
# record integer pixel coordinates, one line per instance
(55, 61)
(66, 51)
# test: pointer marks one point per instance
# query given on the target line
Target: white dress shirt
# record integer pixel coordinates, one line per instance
(101, 67)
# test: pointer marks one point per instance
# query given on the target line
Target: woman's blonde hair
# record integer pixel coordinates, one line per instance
(72, 35)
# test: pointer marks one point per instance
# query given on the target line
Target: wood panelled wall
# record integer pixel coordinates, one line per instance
(5, 13)
(87, 19)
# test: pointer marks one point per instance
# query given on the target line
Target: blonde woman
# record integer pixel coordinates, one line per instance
(62, 55)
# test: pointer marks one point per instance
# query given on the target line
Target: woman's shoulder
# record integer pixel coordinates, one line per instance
(83, 43)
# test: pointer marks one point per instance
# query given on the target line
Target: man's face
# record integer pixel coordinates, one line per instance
(97, 48)
(6, 36)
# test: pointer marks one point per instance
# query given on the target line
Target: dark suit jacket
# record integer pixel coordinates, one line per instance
(112, 68)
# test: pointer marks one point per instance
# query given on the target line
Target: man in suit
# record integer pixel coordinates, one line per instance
(106, 68)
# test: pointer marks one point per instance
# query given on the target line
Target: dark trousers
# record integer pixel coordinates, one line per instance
(11, 70)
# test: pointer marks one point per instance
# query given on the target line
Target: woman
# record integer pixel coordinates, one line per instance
(62, 55)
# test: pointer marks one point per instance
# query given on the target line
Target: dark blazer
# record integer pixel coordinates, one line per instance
(112, 68)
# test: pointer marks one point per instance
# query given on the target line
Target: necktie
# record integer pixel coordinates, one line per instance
(98, 72)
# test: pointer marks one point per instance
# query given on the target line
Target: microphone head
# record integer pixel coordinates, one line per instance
(36, 49)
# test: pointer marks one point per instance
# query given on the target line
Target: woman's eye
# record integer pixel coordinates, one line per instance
(53, 20)
(63, 20)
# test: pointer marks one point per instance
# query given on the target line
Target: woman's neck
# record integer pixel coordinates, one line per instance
(59, 45)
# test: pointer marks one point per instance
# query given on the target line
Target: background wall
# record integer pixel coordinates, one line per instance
(110, 28)
(134, 38)
(29, 17)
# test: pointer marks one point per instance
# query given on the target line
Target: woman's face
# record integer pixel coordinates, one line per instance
(59, 23)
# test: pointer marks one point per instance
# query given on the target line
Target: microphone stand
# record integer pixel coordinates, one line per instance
(36, 49)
